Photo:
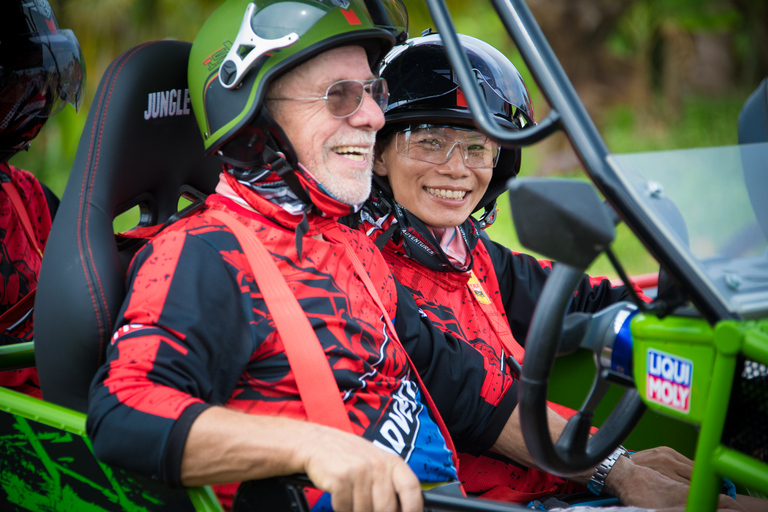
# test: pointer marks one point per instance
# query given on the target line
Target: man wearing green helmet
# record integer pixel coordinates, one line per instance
(284, 94)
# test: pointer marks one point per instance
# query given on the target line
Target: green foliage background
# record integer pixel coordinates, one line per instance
(107, 27)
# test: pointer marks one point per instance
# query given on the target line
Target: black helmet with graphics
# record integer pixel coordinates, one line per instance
(424, 89)
(246, 44)
(41, 70)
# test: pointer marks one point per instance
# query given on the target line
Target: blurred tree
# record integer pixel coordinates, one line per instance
(752, 36)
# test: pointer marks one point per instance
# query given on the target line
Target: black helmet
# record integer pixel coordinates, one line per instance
(245, 45)
(41, 70)
(423, 88)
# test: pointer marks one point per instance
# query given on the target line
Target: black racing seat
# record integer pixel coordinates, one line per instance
(140, 148)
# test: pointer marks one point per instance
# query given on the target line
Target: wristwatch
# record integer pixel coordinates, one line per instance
(597, 482)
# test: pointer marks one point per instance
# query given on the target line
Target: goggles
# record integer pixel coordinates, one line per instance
(435, 144)
(343, 98)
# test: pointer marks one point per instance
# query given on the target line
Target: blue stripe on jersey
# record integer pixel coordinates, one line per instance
(406, 429)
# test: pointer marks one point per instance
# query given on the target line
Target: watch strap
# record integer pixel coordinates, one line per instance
(597, 482)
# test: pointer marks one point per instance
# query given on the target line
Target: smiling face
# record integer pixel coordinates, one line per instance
(337, 152)
(441, 195)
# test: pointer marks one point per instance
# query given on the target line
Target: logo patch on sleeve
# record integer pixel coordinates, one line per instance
(668, 380)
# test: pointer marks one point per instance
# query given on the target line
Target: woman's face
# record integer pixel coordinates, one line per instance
(443, 194)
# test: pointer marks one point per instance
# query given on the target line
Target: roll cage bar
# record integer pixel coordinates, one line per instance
(569, 115)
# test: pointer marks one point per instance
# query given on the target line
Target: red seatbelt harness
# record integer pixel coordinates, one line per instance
(12, 315)
(318, 389)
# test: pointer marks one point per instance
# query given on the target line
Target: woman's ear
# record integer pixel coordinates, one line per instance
(379, 160)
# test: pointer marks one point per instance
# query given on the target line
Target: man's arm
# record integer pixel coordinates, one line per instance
(225, 445)
(184, 340)
(651, 479)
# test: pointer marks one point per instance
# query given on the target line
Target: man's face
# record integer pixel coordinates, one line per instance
(338, 152)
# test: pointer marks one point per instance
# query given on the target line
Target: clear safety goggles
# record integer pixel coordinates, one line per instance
(435, 144)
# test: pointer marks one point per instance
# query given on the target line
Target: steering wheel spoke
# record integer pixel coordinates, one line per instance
(575, 435)
(599, 388)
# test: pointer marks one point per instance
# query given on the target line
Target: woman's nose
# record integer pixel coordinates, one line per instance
(456, 164)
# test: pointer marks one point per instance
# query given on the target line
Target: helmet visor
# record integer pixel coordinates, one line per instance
(268, 26)
(425, 79)
(41, 73)
(275, 20)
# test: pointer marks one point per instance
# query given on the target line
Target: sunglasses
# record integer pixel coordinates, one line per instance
(435, 144)
(343, 98)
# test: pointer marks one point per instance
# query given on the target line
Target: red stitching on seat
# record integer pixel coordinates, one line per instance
(86, 201)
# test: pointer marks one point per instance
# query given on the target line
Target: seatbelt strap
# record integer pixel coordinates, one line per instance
(21, 212)
(318, 389)
(363, 274)
(498, 323)
(19, 310)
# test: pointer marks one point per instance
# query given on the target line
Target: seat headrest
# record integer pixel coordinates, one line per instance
(140, 146)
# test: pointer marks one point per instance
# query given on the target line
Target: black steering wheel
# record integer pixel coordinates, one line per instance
(575, 450)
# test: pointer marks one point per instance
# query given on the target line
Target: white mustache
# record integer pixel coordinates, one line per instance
(359, 139)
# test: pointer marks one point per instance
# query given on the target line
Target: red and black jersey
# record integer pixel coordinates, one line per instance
(512, 283)
(194, 332)
(20, 262)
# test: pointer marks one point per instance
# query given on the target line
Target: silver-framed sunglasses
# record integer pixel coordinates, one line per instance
(343, 98)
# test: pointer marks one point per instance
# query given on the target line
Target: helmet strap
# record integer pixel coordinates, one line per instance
(489, 215)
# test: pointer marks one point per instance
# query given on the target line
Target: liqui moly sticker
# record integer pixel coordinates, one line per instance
(669, 380)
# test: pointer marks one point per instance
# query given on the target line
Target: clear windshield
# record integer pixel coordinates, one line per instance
(713, 204)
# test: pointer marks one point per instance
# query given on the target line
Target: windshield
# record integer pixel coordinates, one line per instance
(711, 203)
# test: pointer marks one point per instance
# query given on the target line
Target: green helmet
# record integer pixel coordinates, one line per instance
(245, 45)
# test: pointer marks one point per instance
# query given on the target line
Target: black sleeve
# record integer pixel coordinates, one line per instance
(521, 279)
(453, 373)
(160, 375)
(52, 200)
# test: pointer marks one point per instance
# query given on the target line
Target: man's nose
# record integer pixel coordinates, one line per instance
(369, 115)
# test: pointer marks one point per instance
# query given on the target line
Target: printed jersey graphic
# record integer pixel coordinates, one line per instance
(19, 262)
(449, 302)
(406, 429)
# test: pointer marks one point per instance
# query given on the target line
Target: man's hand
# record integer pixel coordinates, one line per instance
(225, 445)
(641, 486)
(666, 461)
(359, 476)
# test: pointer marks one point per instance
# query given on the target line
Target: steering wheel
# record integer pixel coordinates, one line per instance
(575, 450)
